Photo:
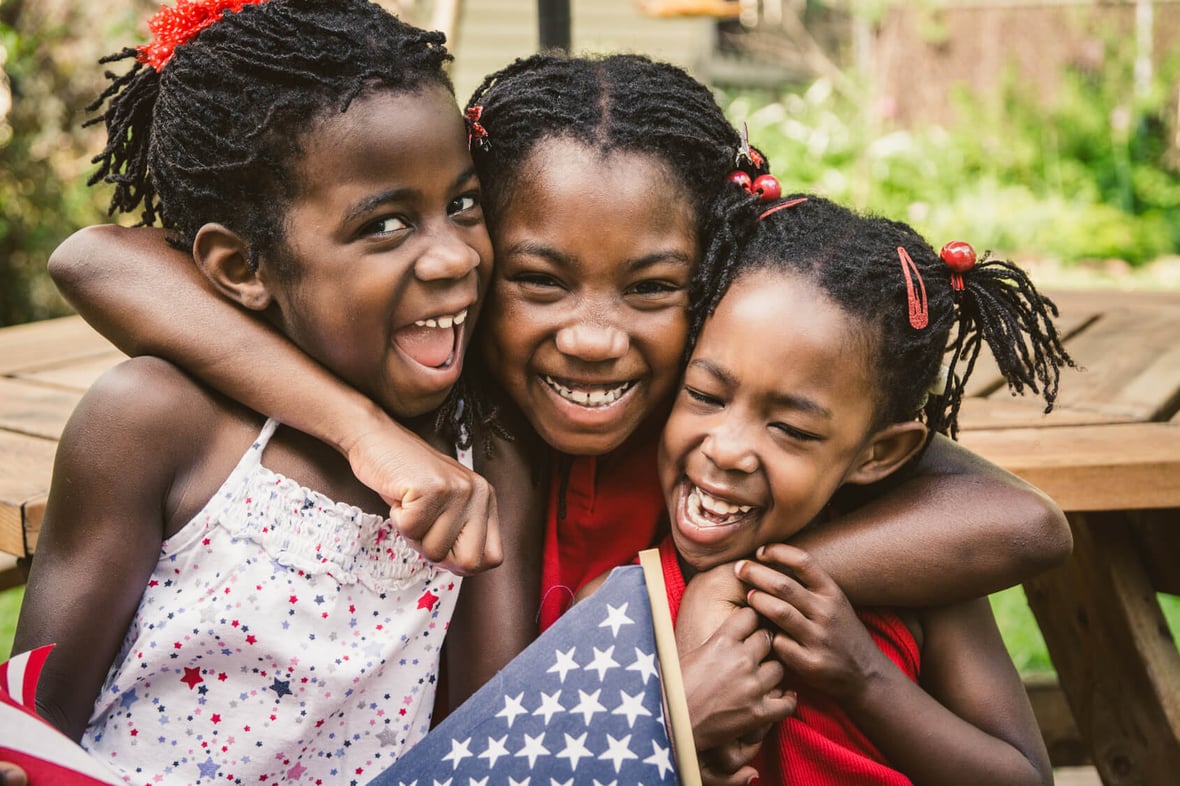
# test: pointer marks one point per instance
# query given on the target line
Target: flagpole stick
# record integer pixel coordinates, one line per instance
(683, 746)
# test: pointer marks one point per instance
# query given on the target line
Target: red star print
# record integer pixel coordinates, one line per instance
(250, 639)
(216, 717)
(192, 676)
(427, 600)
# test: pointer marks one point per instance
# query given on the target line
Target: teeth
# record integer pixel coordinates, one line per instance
(701, 501)
(593, 398)
(444, 322)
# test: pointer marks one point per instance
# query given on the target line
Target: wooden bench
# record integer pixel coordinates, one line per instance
(1109, 454)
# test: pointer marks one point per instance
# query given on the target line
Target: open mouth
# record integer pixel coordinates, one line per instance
(589, 396)
(433, 342)
(706, 511)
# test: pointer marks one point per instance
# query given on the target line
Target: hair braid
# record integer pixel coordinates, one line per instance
(618, 103)
(214, 134)
(854, 260)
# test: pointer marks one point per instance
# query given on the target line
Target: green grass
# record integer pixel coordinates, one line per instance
(9, 609)
(1019, 628)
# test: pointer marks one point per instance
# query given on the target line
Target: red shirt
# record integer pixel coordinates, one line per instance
(819, 745)
(613, 509)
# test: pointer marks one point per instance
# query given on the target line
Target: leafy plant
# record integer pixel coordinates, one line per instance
(1091, 177)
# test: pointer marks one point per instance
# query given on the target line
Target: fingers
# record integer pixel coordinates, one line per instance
(788, 574)
(451, 520)
(732, 763)
(12, 775)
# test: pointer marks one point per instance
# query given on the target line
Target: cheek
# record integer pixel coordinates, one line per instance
(663, 341)
(509, 330)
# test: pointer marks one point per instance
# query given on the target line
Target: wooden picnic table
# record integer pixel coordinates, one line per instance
(1109, 454)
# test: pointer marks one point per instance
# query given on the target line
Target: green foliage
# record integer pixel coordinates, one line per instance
(49, 50)
(1091, 177)
(10, 601)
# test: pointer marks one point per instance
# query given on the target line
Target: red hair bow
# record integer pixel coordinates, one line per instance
(171, 27)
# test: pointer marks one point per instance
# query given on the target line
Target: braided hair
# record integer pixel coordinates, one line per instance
(622, 103)
(856, 261)
(213, 135)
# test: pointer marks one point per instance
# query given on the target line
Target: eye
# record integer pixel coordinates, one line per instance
(386, 225)
(464, 203)
(702, 398)
(654, 287)
(796, 434)
(536, 280)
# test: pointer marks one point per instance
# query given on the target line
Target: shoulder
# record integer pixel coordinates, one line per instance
(143, 395)
(144, 414)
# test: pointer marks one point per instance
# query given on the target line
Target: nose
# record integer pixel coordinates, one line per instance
(447, 256)
(592, 341)
(730, 448)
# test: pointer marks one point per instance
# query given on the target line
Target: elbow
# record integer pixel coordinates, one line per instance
(71, 263)
(1045, 540)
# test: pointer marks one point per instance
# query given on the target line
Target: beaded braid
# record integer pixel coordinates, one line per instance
(855, 260)
(214, 134)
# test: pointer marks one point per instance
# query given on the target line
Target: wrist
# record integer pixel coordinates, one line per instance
(358, 417)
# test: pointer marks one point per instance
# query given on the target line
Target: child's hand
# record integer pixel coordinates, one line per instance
(820, 637)
(733, 688)
(445, 510)
(12, 775)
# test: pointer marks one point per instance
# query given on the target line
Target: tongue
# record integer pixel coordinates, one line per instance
(428, 346)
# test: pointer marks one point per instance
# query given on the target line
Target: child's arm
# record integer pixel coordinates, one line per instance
(496, 617)
(968, 722)
(103, 527)
(957, 511)
(149, 298)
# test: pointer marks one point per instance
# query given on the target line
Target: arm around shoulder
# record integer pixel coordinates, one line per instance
(994, 529)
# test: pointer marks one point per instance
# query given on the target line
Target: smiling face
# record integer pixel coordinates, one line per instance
(588, 316)
(775, 413)
(385, 253)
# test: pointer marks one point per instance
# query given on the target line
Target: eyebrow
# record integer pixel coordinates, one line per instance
(538, 249)
(777, 400)
(370, 203)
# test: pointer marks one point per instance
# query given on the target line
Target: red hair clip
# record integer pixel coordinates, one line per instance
(916, 295)
(475, 131)
(790, 203)
(171, 27)
(959, 256)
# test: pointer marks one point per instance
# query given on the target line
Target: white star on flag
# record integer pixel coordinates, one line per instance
(616, 617)
(602, 662)
(512, 708)
(531, 729)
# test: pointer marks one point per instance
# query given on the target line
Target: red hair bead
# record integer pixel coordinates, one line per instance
(959, 256)
(767, 188)
(740, 178)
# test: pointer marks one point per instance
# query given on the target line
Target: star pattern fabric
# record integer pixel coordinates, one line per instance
(582, 705)
(283, 637)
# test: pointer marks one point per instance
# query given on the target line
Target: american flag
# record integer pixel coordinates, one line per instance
(46, 755)
(582, 705)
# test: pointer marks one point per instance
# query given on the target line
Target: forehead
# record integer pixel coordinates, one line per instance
(776, 331)
(384, 132)
(567, 192)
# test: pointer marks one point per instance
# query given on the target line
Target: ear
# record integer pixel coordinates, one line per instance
(887, 451)
(224, 258)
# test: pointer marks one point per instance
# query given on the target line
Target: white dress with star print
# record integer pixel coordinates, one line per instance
(283, 637)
